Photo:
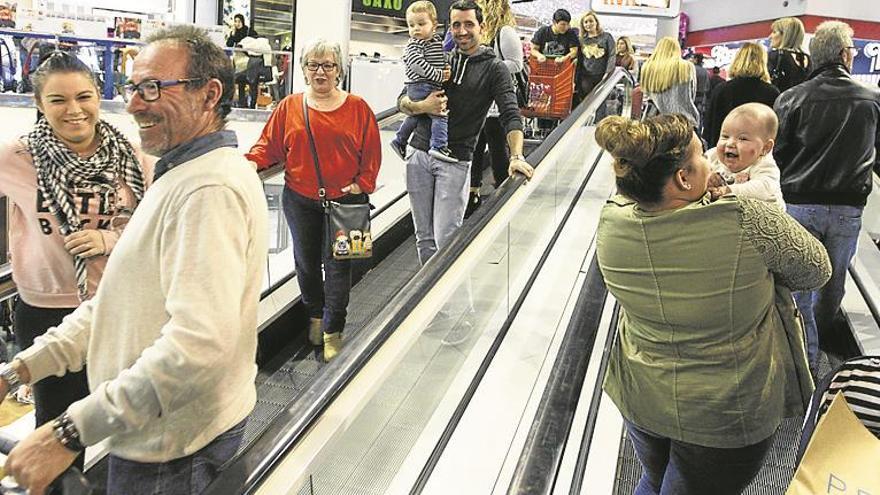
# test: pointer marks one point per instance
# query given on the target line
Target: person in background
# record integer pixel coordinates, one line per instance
(743, 160)
(72, 181)
(438, 191)
(700, 99)
(702, 370)
(671, 82)
(749, 82)
(240, 31)
(350, 153)
(715, 79)
(596, 55)
(170, 357)
(827, 147)
(499, 34)
(247, 77)
(624, 56)
(787, 63)
(426, 71)
(557, 40)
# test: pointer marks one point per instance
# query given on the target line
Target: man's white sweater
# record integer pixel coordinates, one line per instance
(170, 338)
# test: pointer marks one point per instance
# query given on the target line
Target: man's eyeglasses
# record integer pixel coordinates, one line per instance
(313, 66)
(151, 89)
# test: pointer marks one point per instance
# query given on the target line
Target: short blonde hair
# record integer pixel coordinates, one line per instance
(750, 61)
(319, 47)
(423, 7)
(763, 115)
(665, 68)
(792, 31)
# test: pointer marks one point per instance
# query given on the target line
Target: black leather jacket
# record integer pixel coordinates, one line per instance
(828, 140)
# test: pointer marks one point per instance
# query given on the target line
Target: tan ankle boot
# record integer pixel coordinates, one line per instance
(315, 336)
(332, 345)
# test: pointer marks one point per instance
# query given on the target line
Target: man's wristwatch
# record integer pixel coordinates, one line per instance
(10, 376)
(66, 433)
(517, 157)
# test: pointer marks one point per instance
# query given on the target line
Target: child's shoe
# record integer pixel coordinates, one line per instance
(443, 154)
(399, 149)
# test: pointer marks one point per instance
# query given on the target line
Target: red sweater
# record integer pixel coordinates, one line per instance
(347, 140)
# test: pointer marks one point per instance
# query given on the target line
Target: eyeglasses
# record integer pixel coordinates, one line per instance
(328, 67)
(853, 51)
(151, 89)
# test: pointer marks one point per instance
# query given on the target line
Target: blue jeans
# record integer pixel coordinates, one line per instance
(188, 475)
(837, 227)
(438, 194)
(439, 124)
(670, 467)
(328, 298)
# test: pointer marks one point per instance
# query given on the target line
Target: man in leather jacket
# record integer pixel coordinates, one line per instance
(826, 149)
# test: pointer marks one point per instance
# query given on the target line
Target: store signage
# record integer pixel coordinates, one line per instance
(650, 8)
(867, 60)
(396, 8)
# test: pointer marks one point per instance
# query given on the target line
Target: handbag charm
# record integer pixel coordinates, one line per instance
(346, 226)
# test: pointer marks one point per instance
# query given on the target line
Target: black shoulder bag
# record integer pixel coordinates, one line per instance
(347, 226)
(520, 79)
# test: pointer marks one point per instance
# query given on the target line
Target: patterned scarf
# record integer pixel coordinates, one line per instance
(60, 172)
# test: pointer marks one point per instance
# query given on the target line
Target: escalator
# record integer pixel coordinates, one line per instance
(378, 418)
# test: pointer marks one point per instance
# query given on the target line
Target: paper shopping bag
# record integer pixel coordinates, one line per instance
(843, 457)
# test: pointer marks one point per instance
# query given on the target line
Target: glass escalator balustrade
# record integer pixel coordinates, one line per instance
(403, 397)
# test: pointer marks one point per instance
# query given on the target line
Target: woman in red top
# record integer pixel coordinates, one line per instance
(347, 140)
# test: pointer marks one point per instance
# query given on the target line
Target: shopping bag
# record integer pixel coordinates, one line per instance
(842, 457)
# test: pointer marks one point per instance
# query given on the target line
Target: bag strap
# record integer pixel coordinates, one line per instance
(322, 192)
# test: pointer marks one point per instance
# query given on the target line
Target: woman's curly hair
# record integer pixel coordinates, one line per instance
(646, 154)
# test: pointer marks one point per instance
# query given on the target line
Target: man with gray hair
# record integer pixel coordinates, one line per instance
(826, 149)
(170, 336)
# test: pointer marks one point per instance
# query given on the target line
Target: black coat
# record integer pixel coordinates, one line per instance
(787, 68)
(731, 94)
(241, 34)
(829, 139)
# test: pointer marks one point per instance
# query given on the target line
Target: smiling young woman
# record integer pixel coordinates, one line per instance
(68, 180)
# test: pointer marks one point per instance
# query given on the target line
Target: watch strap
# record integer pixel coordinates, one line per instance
(66, 433)
(10, 376)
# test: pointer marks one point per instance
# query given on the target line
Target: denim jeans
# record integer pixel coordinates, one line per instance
(188, 475)
(438, 194)
(670, 467)
(439, 124)
(328, 298)
(837, 227)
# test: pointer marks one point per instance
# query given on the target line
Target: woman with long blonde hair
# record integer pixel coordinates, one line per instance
(670, 81)
(499, 33)
(749, 82)
(787, 63)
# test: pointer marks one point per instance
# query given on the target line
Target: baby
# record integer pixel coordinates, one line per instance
(742, 160)
(425, 71)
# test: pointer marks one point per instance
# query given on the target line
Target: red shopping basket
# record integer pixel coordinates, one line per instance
(551, 87)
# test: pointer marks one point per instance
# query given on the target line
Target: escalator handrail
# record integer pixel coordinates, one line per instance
(452, 424)
(540, 459)
(286, 430)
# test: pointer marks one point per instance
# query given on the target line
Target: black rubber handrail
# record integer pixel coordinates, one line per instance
(538, 466)
(580, 467)
(248, 470)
